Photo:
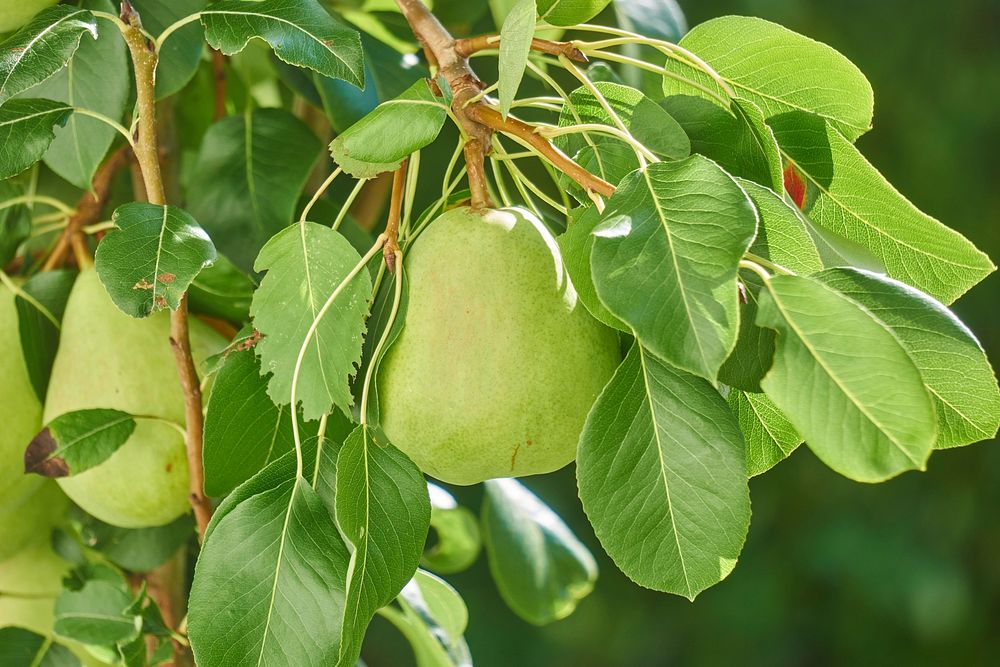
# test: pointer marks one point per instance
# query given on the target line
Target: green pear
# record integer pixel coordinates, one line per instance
(16, 14)
(498, 362)
(20, 409)
(30, 520)
(107, 359)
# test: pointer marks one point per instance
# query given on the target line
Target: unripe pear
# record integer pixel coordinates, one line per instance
(16, 13)
(107, 359)
(30, 520)
(498, 362)
(20, 409)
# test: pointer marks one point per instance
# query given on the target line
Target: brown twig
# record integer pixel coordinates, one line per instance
(88, 211)
(219, 78)
(469, 45)
(465, 85)
(518, 128)
(147, 154)
(391, 248)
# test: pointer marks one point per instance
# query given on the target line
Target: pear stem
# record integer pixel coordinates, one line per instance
(391, 248)
(144, 57)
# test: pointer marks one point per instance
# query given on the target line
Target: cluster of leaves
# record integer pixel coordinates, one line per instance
(772, 287)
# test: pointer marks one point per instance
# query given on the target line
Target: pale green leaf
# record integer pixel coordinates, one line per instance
(951, 361)
(662, 476)
(456, 529)
(41, 48)
(515, 44)
(854, 200)
(575, 245)
(26, 131)
(301, 33)
(98, 614)
(96, 78)
(384, 513)
(77, 441)
(844, 381)
(149, 258)
(433, 620)
(542, 569)
(247, 178)
(305, 264)
(413, 120)
(769, 436)
(778, 70)
(569, 12)
(664, 260)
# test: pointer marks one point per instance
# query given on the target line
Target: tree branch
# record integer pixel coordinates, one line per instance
(465, 85)
(466, 47)
(147, 154)
(521, 130)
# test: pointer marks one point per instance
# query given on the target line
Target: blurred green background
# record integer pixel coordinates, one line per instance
(834, 572)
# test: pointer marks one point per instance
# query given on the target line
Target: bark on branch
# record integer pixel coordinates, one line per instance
(469, 45)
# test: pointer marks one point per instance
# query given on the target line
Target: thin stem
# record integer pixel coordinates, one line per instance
(172, 28)
(761, 261)
(756, 268)
(432, 212)
(658, 69)
(369, 374)
(412, 177)
(347, 204)
(37, 199)
(501, 187)
(472, 45)
(358, 268)
(550, 131)
(520, 180)
(107, 121)
(391, 249)
(319, 193)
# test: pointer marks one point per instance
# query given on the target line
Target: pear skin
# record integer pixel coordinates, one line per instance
(498, 362)
(16, 14)
(107, 359)
(30, 520)
(20, 409)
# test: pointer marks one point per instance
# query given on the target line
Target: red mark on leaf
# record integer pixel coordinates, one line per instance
(143, 284)
(160, 301)
(166, 278)
(795, 185)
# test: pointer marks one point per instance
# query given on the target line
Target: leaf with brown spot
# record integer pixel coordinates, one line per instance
(77, 441)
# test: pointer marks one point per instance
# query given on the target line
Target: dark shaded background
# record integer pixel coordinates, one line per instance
(834, 572)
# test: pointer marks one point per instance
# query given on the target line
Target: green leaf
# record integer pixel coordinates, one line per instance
(662, 476)
(151, 256)
(569, 12)
(384, 513)
(851, 198)
(20, 647)
(782, 238)
(244, 429)
(42, 47)
(575, 246)
(542, 570)
(222, 290)
(843, 380)
(738, 138)
(456, 529)
(393, 130)
(180, 54)
(247, 178)
(770, 437)
(97, 614)
(646, 120)
(138, 549)
(282, 601)
(951, 361)
(77, 441)
(38, 320)
(515, 43)
(15, 221)
(26, 130)
(305, 263)
(664, 260)
(301, 33)
(657, 19)
(388, 73)
(611, 160)
(96, 78)
(778, 70)
(433, 620)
